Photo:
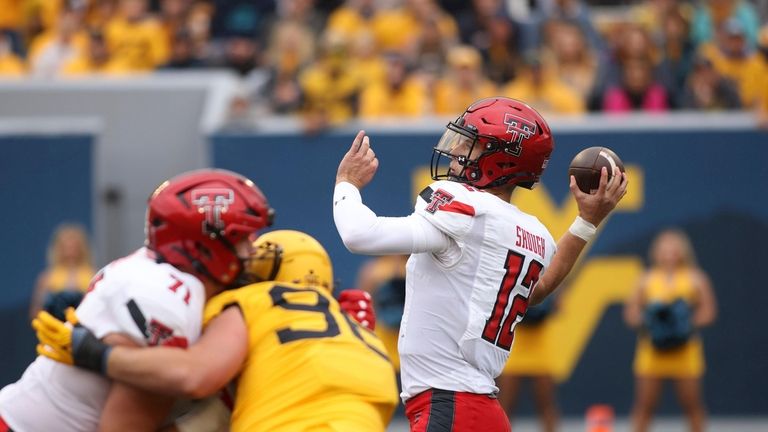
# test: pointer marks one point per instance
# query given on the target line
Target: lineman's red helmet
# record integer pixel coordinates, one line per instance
(497, 141)
(195, 220)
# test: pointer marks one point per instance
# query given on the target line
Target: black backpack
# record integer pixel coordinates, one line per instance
(669, 324)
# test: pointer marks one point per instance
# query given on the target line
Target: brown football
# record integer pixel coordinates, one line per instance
(587, 164)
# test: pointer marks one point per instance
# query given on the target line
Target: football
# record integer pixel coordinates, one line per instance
(586, 167)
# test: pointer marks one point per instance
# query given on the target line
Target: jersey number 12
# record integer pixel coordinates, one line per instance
(498, 328)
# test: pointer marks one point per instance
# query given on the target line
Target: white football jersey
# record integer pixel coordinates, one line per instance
(153, 304)
(462, 305)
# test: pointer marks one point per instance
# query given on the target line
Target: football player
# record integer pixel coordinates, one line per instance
(476, 260)
(300, 363)
(199, 231)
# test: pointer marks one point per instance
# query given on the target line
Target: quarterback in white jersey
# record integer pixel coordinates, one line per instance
(476, 260)
(199, 229)
(498, 253)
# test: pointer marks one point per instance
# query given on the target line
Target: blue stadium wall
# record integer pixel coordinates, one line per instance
(44, 180)
(710, 183)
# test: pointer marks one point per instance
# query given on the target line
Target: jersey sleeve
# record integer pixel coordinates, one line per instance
(220, 302)
(253, 301)
(364, 232)
(151, 311)
(448, 206)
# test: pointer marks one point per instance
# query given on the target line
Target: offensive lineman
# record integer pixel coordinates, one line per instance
(476, 260)
(197, 236)
(303, 364)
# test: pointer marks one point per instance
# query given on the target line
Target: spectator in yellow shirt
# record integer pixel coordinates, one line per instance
(463, 83)
(330, 86)
(575, 62)
(40, 16)
(11, 17)
(10, 64)
(543, 90)
(100, 12)
(399, 95)
(401, 28)
(51, 51)
(291, 48)
(352, 19)
(366, 60)
(649, 14)
(136, 42)
(93, 61)
(733, 59)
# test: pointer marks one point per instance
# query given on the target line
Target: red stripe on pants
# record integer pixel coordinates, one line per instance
(470, 412)
(4, 426)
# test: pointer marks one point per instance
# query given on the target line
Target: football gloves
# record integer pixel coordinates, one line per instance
(70, 343)
(359, 305)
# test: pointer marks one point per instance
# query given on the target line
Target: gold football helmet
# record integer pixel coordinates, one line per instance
(290, 256)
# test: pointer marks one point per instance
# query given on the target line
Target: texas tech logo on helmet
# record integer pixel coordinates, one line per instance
(520, 129)
(213, 202)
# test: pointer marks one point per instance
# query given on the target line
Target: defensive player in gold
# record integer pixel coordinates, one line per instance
(303, 364)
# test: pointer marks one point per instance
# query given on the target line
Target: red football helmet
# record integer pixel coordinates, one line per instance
(497, 141)
(195, 220)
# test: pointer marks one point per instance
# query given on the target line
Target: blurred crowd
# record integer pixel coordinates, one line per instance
(332, 60)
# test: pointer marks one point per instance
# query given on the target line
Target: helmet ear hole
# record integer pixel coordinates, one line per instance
(204, 251)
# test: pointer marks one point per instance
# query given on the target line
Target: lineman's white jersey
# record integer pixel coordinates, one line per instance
(153, 304)
(461, 306)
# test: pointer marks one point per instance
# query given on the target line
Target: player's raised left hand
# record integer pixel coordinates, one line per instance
(359, 164)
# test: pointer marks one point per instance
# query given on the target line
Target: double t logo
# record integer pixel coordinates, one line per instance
(438, 199)
(520, 129)
(213, 202)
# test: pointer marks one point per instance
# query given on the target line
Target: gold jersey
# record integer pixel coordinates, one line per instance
(309, 367)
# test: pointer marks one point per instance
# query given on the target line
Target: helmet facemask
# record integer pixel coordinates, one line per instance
(264, 263)
(461, 147)
(291, 257)
(455, 146)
